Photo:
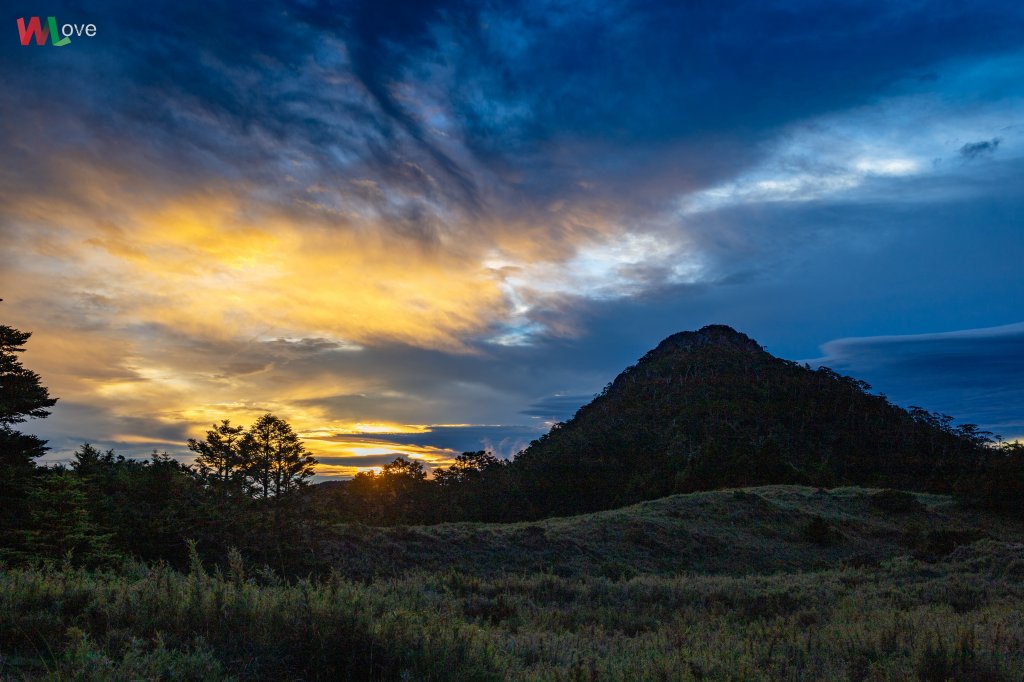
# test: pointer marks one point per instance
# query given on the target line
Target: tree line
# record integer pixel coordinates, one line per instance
(104, 506)
(245, 491)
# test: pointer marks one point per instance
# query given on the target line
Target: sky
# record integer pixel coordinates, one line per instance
(420, 228)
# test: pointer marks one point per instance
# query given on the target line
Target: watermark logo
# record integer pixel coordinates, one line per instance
(36, 30)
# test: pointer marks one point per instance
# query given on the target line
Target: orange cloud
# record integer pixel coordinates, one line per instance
(163, 307)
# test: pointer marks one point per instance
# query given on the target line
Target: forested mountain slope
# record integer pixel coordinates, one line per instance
(712, 408)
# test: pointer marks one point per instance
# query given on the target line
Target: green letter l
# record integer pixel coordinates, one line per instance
(53, 34)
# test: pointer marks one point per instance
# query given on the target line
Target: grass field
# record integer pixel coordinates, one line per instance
(754, 530)
(776, 583)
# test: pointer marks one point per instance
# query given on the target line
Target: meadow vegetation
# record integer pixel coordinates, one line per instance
(917, 609)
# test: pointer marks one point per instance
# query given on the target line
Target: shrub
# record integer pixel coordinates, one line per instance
(941, 542)
(896, 502)
(820, 532)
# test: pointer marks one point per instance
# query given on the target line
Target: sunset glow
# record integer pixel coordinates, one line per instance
(411, 240)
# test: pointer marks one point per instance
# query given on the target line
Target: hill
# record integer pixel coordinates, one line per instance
(742, 531)
(711, 409)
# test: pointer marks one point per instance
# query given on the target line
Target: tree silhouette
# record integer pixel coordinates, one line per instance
(402, 468)
(219, 458)
(468, 467)
(400, 493)
(999, 485)
(476, 488)
(22, 396)
(275, 461)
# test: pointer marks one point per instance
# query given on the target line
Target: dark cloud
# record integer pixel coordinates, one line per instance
(536, 97)
(557, 407)
(504, 440)
(422, 378)
(976, 375)
(363, 461)
(974, 149)
(75, 423)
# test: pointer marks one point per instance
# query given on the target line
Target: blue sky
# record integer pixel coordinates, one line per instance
(423, 228)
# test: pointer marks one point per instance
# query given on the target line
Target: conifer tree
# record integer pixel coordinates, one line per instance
(22, 396)
(220, 459)
(276, 462)
(59, 522)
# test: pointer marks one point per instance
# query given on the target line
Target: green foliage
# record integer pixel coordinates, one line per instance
(940, 661)
(478, 487)
(400, 493)
(155, 623)
(739, 585)
(756, 530)
(252, 484)
(267, 461)
(107, 506)
(404, 469)
(148, 508)
(59, 524)
(940, 542)
(890, 623)
(80, 658)
(715, 585)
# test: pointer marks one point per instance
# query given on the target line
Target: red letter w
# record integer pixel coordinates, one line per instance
(35, 28)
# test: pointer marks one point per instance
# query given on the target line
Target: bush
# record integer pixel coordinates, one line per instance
(82, 660)
(820, 532)
(941, 542)
(896, 502)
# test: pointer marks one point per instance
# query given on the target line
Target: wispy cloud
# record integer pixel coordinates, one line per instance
(975, 149)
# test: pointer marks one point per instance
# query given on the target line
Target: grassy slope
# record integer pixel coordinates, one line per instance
(774, 583)
(753, 530)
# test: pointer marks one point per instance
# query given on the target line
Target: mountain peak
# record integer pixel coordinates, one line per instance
(711, 335)
(711, 408)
